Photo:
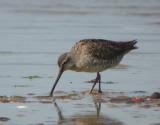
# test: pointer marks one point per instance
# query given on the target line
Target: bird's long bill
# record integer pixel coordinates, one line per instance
(58, 77)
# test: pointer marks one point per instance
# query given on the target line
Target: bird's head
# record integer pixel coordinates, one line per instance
(65, 62)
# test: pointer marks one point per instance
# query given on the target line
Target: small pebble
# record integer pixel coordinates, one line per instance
(155, 95)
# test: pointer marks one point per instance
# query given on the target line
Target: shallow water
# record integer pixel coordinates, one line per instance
(35, 32)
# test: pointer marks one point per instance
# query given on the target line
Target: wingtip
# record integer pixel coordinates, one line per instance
(134, 42)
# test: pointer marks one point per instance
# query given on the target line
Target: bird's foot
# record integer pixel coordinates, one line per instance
(50, 94)
(90, 92)
(99, 91)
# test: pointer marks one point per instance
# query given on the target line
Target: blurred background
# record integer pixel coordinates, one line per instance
(33, 33)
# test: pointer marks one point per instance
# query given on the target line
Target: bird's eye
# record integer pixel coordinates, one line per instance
(64, 62)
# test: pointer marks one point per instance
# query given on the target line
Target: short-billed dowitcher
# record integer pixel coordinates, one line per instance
(93, 55)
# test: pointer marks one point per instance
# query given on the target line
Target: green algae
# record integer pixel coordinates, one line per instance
(32, 77)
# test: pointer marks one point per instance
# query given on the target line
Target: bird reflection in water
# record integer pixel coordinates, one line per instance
(86, 119)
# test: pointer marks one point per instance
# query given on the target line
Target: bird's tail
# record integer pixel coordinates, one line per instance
(132, 43)
(129, 45)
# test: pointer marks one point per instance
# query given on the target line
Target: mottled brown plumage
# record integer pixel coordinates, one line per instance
(93, 55)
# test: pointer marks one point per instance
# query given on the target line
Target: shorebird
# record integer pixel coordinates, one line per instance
(93, 55)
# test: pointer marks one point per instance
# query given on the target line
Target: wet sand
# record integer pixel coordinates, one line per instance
(35, 32)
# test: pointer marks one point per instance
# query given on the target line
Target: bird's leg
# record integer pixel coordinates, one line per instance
(99, 81)
(96, 80)
(60, 115)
